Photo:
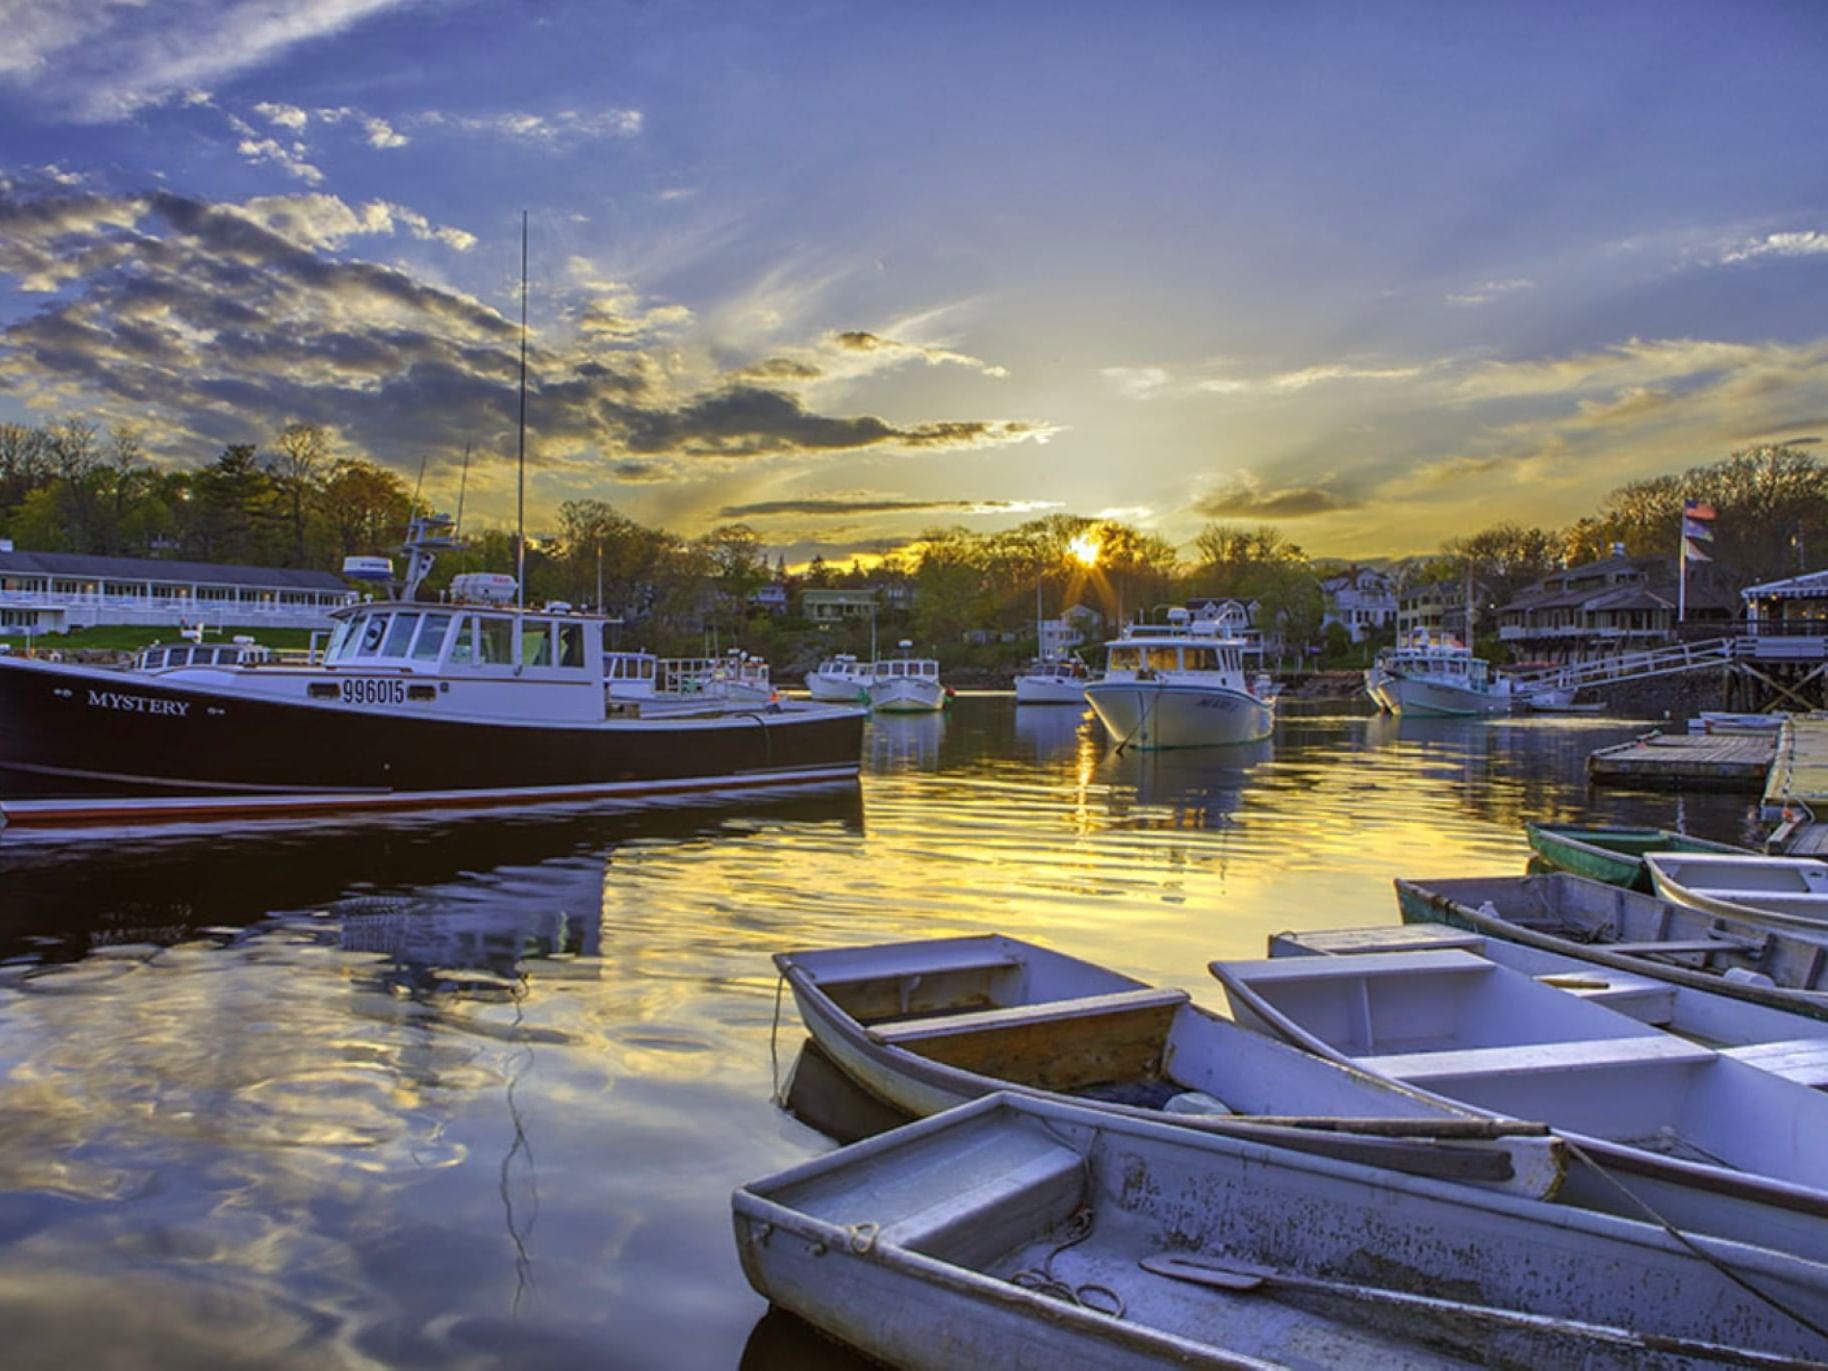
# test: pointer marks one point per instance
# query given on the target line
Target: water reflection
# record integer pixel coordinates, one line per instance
(475, 1091)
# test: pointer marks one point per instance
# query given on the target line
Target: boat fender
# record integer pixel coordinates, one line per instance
(1195, 1102)
(1741, 975)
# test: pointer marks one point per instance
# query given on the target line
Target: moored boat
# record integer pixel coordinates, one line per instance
(1785, 892)
(1052, 682)
(1029, 1234)
(1182, 684)
(1436, 676)
(1794, 1046)
(415, 705)
(926, 1025)
(1710, 1143)
(1610, 854)
(906, 684)
(1627, 931)
(839, 680)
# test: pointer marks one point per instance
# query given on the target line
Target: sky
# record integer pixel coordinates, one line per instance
(1377, 274)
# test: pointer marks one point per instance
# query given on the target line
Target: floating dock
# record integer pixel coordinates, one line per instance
(1691, 761)
(1796, 789)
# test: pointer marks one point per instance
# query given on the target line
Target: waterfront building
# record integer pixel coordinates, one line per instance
(833, 606)
(770, 598)
(1789, 617)
(53, 592)
(1434, 609)
(1361, 600)
(1617, 604)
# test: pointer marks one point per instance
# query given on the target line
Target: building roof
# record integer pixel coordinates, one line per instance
(1807, 586)
(159, 569)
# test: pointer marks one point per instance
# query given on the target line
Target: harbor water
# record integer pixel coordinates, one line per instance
(473, 1092)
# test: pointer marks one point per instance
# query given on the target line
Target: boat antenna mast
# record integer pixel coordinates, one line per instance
(520, 500)
(463, 483)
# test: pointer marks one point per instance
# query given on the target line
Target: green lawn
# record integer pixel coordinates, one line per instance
(130, 638)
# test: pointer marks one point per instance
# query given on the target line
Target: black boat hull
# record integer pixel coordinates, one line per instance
(85, 745)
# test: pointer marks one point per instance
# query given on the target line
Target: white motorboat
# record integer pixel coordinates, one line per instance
(906, 685)
(1711, 1143)
(839, 680)
(1182, 684)
(1436, 677)
(1785, 892)
(1052, 682)
(930, 1024)
(1039, 1236)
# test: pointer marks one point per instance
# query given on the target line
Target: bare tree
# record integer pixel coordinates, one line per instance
(301, 454)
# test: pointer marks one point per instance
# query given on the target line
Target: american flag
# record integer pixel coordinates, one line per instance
(1697, 509)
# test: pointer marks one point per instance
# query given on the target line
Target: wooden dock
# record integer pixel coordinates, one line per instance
(1796, 790)
(1688, 761)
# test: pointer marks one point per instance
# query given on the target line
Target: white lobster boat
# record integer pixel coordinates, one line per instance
(1049, 681)
(1182, 684)
(906, 685)
(839, 680)
(1436, 677)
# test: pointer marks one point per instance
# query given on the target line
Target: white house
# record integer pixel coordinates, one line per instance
(1361, 600)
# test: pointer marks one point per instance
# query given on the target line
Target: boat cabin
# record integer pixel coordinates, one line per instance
(1181, 647)
(461, 639)
(921, 668)
(1437, 659)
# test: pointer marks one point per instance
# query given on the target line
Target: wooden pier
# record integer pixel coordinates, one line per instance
(1796, 789)
(1688, 761)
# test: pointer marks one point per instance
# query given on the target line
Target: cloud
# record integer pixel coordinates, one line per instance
(1246, 497)
(833, 506)
(283, 116)
(1136, 383)
(563, 127)
(615, 314)
(1627, 406)
(103, 59)
(1491, 290)
(1289, 382)
(1635, 362)
(858, 341)
(1802, 243)
(290, 157)
(218, 323)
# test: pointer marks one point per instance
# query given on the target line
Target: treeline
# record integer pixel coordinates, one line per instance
(71, 486)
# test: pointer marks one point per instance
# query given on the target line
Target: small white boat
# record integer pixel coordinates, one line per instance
(1627, 931)
(1052, 682)
(928, 1025)
(1712, 1144)
(905, 684)
(1793, 1046)
(1038, 1236)
(1785, 892)
(1436, 677)
(839, 680)
(1181, 684)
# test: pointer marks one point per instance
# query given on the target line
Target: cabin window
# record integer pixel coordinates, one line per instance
(338, 636)
(431, 637)
(495, 641)
(535, 642)
(1202, 659)
(463, 645)
(373, 630)
(571, 645)
(400, 635)
(1163, 658)
(1125, 659)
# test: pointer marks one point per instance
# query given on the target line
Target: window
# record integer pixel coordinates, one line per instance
(1125, 659)
(1202, 659)
(495, 641)
(431, 637)
(400, 636)
(463, 645)
(372, 631)
(338, 636)
(571, 645)
(535, 642)
(1162, 658)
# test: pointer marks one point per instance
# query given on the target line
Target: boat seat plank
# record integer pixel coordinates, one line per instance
(966, 960)
(1803, 1060)
(1389, 938)
(1681, 946)
(1429, 961)
(1028, 1015)
(1522, 1059)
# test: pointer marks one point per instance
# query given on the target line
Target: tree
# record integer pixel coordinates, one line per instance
(300, 454)
(365, 506)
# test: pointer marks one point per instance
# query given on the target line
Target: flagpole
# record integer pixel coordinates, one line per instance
(1682, 573)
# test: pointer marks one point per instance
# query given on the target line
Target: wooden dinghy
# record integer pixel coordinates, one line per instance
(1708, 1143)
(1612, 855)
(930, 1024)
(1791, 1045)
(1029, 1234)
(1629, 932)
(1784, 892)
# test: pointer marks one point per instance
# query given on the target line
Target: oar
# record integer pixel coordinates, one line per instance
(1243, 1278)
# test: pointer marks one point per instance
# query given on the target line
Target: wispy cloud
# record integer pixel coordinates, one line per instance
(1488, 291)
(840, 505)
(104, 59)
(326, 221)
(1137, 383)
(1289, 382)
(1247, 496)
(558, 127)
(1799, 243)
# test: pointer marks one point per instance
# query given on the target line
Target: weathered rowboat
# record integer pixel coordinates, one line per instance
(1784, 892)
(1626, 931)
(1791, 1045)
(1029, 1234)
(930, 1024)
(1612, 855)
(1708, 1143)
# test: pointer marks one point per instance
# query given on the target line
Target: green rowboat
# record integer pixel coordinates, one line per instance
(1612, 855)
